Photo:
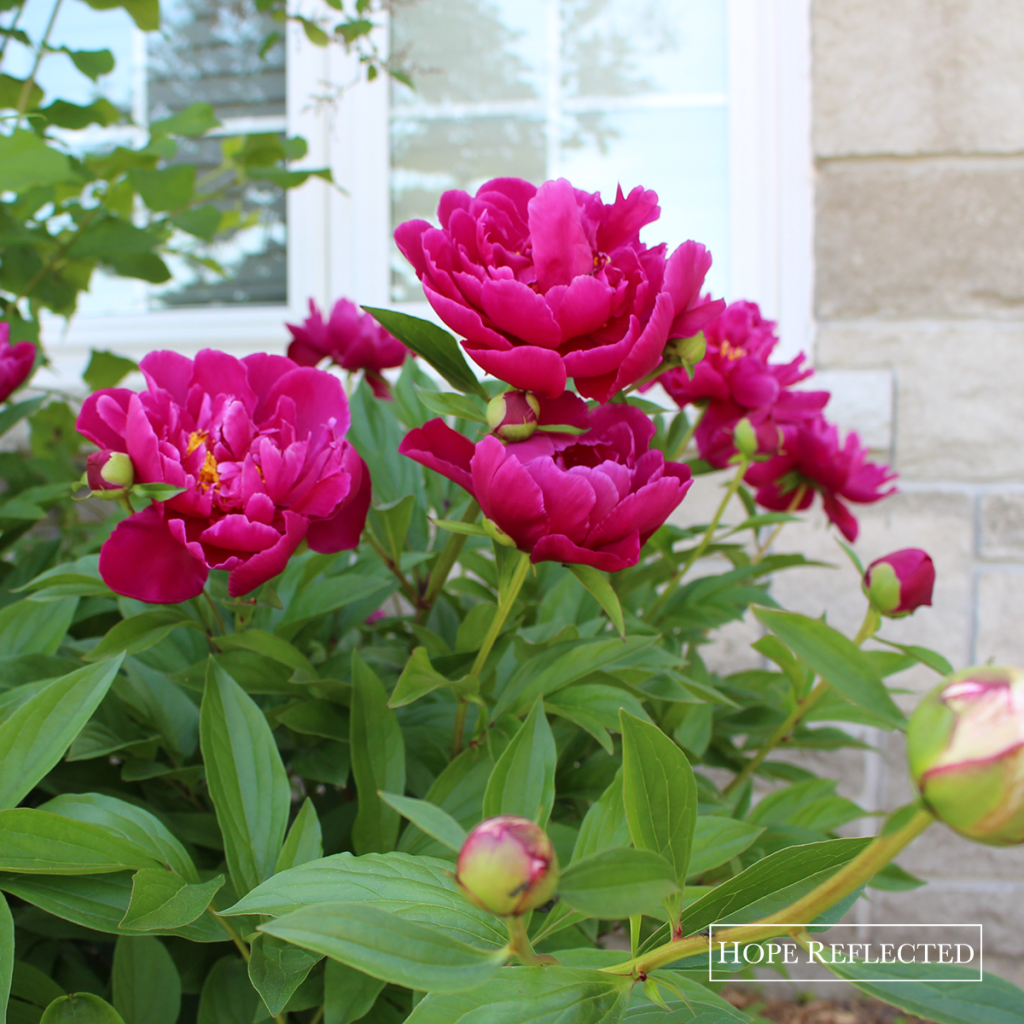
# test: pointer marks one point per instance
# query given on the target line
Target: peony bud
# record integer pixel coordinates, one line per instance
(513, 415)
(689, 351)
(744, 436)
(899, 583)
(966, 750)
(109, 472)
(508, 866)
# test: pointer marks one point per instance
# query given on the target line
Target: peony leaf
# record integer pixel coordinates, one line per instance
(304, 841)
(616, 883)
(162, 900)
(277, 969)
(80, 1008)
(140, 632)
(145, 982)
(428, 818)
(523, 780)
(598, 584)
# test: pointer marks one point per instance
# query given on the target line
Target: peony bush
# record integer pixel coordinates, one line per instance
(398, 705)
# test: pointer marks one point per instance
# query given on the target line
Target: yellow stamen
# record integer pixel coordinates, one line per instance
(732, 352)
(196, 438)
(208, 475)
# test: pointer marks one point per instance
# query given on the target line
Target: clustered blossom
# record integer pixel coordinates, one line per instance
(16, 362)
(591, 499)
(550, 283)
(802, 452)
(257, 446)
(351, 338)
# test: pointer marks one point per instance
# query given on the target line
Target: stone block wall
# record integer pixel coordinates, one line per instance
(918, 135)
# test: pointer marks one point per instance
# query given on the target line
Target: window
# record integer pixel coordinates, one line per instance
(705, 101)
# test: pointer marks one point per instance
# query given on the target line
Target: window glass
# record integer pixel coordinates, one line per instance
(600, 91)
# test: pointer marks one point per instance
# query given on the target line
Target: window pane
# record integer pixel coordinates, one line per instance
(600, 91)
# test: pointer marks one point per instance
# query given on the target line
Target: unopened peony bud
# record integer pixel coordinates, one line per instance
(745, 438)
(689, 351)
(966, 750)
(899, 583)
(508, 866)
(513, 415)
(108, 474)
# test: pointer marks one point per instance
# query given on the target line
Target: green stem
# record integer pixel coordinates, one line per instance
(319, 1016)
(216, 613)
(662, 367)
(26, 89)
(699, 550)
(519, 942)
(235, 937)
(762, 549)
(410, 590)
(10, 29)
(677, 452)
(871, 622)
(506, 599)
(848, 879)
(447, 559)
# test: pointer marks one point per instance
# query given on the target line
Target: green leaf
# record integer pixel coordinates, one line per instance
(80, 1008)
(595, 707)
(385, 946)
(932, 659)
(34, 736)
(92, 63)
(395, 518)
(456, 526)
(532, 995)
(969, 1001)
(106, 370)
(203, 221)
(428, 818)
(140, 632)
(604, 827)
(145, 266)
(6, 956)
(277, 969)
(659, 792)
(145, 13)
(162, 901)
(304, 841)
(328, 595)
(12, 414)
(194, 120)
(247, 781)
(39, 842)
(26, 161)
(616, 883)
(836, 659)
(597, 583)
(447, 403)
(111, 239)
(523, 780)
(228, 996)
(418, 678)
(35, 627)
(412, 888)
(348, 994)
(62, 114)
(435, 345)
(268, 645)
(145, 982)
(717, 840)
(378, 760)
(166, 189)
(794, 865)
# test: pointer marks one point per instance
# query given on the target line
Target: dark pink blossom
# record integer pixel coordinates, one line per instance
(591, 499)
(352, 339)
(551, 283)
(811, 459)
(16, 362)
(258, 447)
(736, 380)
(901, 582)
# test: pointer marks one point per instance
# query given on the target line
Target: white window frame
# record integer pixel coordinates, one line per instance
(338, 235)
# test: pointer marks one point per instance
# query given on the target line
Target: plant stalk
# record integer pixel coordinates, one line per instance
(235, 937)
(26, 89)
(762, 549)
(848, 879)
(679, 450)
(519, 942)
(396, 570)
(10, 30)
(447, 558)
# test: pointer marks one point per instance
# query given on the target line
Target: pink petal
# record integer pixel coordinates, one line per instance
(342, 531)
(170, 371)
(318, 396)
(521, 312)
(270, 562)
(507, 493)
(237, 533)
(103, 419)
(583, 307)
(611, 558)
(568, 497)
(527, 367)
(561, 250)
(217, 373)
(438, 447)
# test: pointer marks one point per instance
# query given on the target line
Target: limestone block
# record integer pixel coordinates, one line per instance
(924, 77)
(1002, 527)
(1000, 618)
(932, 238)
(862, 400)
(957, 393)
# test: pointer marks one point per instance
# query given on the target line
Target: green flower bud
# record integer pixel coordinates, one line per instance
(965, 745)
(109, 474)
(744, 436)
(513, 416)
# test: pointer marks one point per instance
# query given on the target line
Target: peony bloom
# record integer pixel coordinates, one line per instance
(258, 446)
(507, 865)
(551, 283)
(900, 583)
(591, 499)
(736, 381)
(16, 362)
(353, 340)
(811, 457)
(965, 745)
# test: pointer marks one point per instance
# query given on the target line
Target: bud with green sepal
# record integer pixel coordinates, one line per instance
(899, 583)
(513, 416)
(965, 745)
(109, 475)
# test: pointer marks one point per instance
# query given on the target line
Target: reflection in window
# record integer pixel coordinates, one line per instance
(600, 91)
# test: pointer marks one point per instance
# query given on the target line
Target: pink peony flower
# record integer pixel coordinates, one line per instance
(736, 380)
(353, 340)
(901, 582)
(550, 283)
(16, 362)
(810, 456)
(258, 444)
(591, 499)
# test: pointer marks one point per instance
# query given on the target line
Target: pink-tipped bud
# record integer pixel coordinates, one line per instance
(508, 866)
(513, 416)
(965, 745)
(899, 583)
(109, 474)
